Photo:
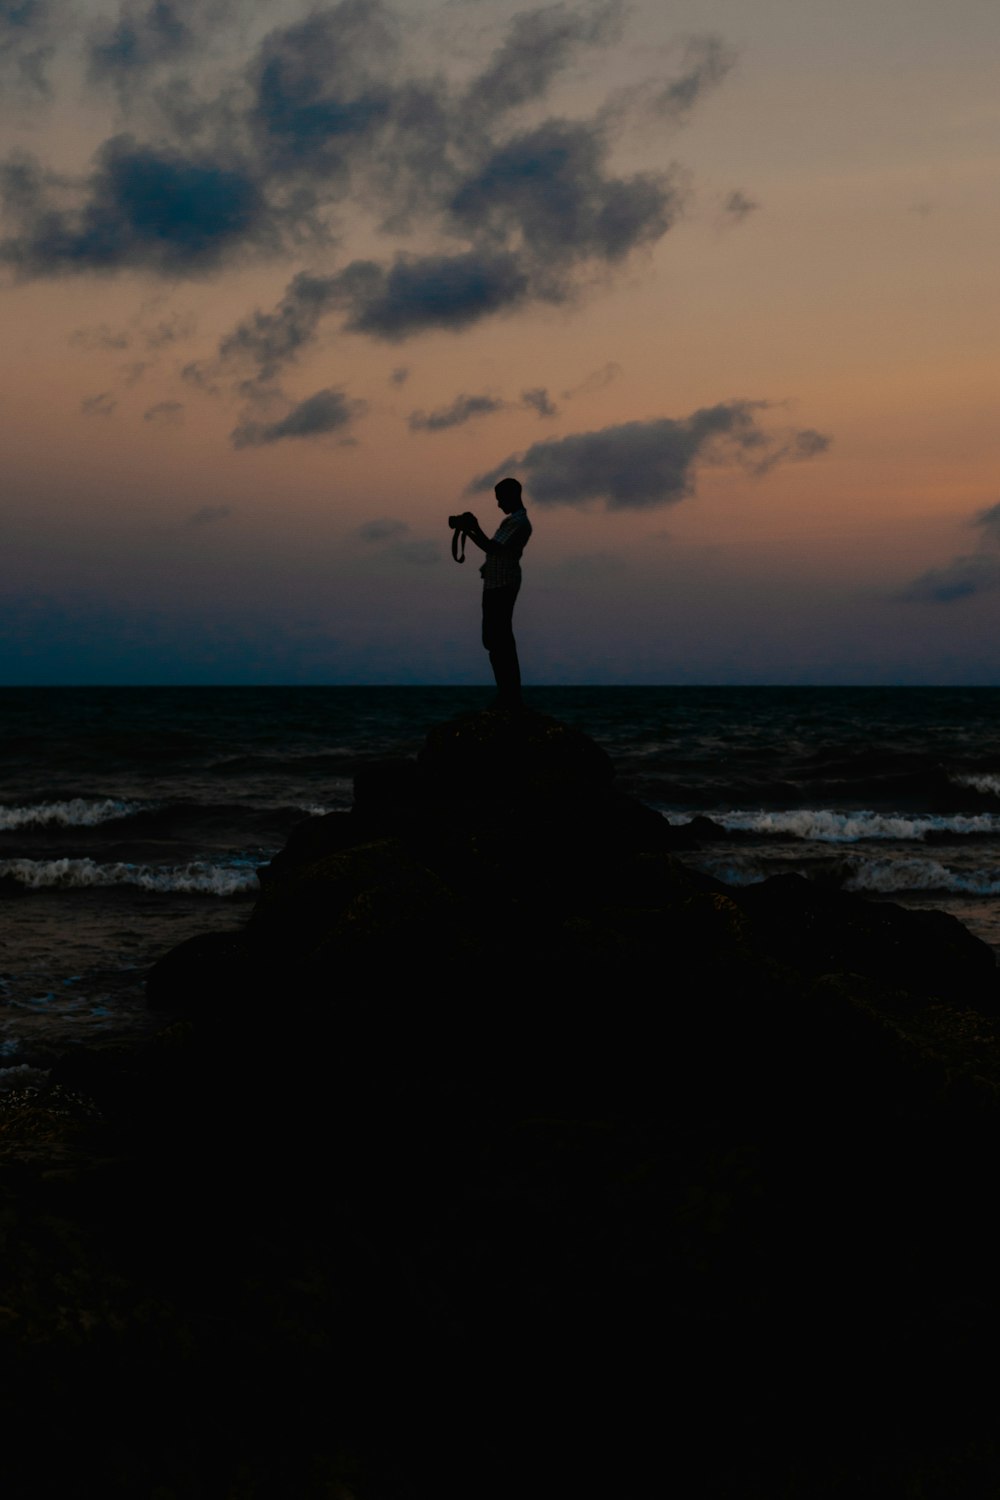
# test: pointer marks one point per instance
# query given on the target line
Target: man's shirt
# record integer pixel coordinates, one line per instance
(502, 570)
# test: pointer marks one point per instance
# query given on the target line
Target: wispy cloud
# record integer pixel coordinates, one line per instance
(965, 576)
(326, 412)
(640, 465)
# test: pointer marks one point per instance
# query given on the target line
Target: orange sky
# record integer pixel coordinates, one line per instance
(822, 261)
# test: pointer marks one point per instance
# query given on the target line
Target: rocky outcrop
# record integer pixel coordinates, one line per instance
(503, 1154)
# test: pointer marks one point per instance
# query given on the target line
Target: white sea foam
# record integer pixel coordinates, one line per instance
(78, 812)
(921, 875)
(869, 876)
(986, 781)
(195, 878)
(827, 827)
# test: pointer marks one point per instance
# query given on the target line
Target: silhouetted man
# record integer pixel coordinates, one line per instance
(501, 575)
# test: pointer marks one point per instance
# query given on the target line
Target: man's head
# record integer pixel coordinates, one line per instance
(508, 493)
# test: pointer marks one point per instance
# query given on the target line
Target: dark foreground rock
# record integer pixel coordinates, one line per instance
(503, 1155)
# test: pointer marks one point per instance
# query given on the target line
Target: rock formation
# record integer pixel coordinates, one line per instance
(502, 1154)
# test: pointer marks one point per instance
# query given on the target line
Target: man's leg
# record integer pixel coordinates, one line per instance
(498, 638)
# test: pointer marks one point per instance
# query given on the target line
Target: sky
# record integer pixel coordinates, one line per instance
(283, 286)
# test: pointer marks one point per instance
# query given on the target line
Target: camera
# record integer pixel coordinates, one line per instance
(457, 523)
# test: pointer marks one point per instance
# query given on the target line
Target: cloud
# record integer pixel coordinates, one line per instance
(270, 341)
(706, 62)
(419, 551)
(964, 576)
(166, 413)
(317, 89)
(640, 465)
(100, 337)
(596, 381)
(737, 207)
(400, 375)
(382, 530)
(538, 46)
(145, 34)
(537, 399)
(101, 405)
(209, 513)
(989, 522)
(461, 410)
(417, 293)
(549, 191)
(808, 443)
(27, 34)
(158, 336)
(327, 411)
(142, 208)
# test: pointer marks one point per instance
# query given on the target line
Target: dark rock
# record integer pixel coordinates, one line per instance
(497, 766)
(203, 975)
(818, 930)
(491, 1103)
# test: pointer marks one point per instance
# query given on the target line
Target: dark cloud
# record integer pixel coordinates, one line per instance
(165, 413)
(989, 522)
(705, 63)
(965, 576)
(144, 34)
(461, 410)
(643, 464)
(537, 47)
(382, 530)
(794, 446)
(101, 405)
(142, 208)
(534, 211)
(962, 578)
(548, 190)
(400, 375)
(417, 293)
(270, 341)
(737, 206)
(320, 90)
(537, 399)
(209, 513)
(596, 381)
(325, 412)
(27, 32)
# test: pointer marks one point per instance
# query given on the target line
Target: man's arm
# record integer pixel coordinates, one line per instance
(514, 542)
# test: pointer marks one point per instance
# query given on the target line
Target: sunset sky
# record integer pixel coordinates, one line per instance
(283, 286)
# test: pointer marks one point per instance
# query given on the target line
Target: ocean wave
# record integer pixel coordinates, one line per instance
(824, 826)
(885, 876)
(78, 812)
(987, 782)
(880, 877)
(196, 878)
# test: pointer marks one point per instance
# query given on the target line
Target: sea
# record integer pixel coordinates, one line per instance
(132, 818)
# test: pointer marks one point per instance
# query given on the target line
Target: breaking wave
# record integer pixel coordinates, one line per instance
(79, 812)
(920, 875)
(197, 878)
(828, 827)
(987, 782)
(880, 877)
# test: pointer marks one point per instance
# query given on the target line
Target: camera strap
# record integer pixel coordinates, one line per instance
(457, 538)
